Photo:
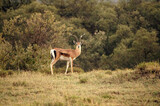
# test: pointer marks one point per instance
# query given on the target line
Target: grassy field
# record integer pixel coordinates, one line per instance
(96, 88)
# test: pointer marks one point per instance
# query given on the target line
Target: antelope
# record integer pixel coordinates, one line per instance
(65, 54)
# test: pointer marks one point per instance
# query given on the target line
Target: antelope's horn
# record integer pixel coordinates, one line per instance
(75, 37)
(81, 36)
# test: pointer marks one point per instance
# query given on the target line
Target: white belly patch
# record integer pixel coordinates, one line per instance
(64, 58)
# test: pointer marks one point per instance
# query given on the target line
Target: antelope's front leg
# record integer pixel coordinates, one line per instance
(71, 65)
(67, 67)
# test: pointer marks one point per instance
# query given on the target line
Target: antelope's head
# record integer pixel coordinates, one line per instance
(78, 46)
(78, 42)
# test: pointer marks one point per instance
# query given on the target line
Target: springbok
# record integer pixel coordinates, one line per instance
(66, 54)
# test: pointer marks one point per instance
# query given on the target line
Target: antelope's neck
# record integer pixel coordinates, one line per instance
(78, 50)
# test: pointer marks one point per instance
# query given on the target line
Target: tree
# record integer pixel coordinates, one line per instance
(92, 50)
(13, 4)
(145, 46)
(135, 49)
(5, 52)
(40, 29)
(26, 11)
(150, 11)
(123, 32)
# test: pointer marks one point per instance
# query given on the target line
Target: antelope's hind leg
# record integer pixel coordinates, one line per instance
(55, 57)
(51, 65)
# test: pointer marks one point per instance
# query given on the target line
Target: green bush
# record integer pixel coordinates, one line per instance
(83, 80)
(20, 83)
(106, 96)
(148, 68)
(4, 73)
(10, 72)
(108, 72)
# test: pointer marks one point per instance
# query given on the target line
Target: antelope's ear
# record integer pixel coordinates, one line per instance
(74, 42)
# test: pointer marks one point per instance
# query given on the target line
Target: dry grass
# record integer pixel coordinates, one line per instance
(96, 88)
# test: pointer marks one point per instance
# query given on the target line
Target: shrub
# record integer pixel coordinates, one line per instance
(10, 72)
(106, 96)
(148, 68)
(20, 83)
(108, 72)
(4, 73)
(83, 80)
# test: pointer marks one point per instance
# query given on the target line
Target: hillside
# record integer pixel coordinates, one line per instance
(99, 88)
(115, 35)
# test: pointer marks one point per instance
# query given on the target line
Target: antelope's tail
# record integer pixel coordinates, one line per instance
(53, 54)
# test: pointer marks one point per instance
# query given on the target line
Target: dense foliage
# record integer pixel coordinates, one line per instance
(117, 35)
